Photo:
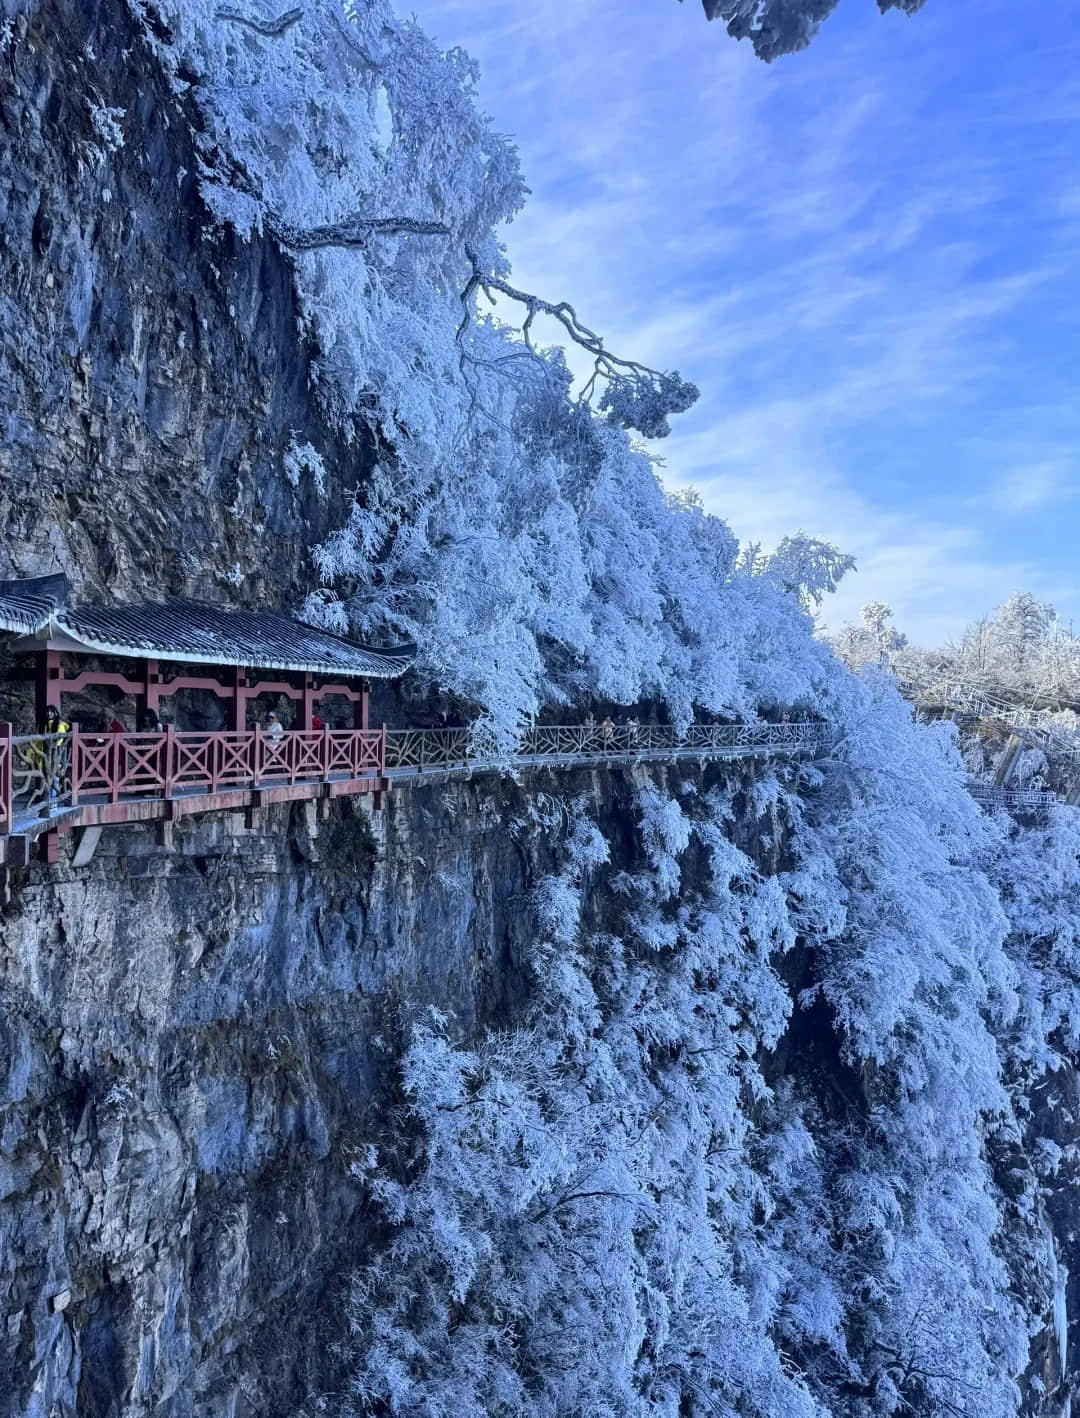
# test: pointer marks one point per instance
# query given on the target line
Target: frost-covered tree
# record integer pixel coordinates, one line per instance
(808, 568)
(873, 642)
(504, 520)
(776, 27)
(739, 1155)
(1021, 650)
(1020, 628)
(734, 1158)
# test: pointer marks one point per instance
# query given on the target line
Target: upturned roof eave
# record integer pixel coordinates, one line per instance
(45, 627)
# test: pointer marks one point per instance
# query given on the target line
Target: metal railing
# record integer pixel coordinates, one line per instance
(43, 774)
(39, 775)
(421, 750)
(1034, 725)
(973, 698)
(1012, 799)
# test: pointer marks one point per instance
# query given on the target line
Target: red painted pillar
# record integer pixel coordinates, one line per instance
(360, 706)
(75, 769)
(5, 779)
(238, 702)
(151, 695)
(47, 680)
(306, 706)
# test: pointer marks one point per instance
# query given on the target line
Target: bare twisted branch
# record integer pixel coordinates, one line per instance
(634, 395)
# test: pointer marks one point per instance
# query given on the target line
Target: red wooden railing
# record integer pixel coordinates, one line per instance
(41, 772)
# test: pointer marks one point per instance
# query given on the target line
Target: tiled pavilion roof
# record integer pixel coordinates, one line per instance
(191, 632)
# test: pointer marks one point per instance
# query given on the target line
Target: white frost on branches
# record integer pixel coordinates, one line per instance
(696, 1178)
(304, 459)
(735, 1158)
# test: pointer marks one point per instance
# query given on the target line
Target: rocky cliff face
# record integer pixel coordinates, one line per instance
(195, 1040)
(150, 374)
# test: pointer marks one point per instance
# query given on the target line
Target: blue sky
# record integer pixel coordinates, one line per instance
(864, 254)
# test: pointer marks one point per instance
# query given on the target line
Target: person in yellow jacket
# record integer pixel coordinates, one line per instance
(51, 759)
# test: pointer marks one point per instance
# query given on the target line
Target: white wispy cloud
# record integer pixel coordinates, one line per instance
(1035, 487)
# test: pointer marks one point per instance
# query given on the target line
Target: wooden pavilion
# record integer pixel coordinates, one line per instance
(158, 644)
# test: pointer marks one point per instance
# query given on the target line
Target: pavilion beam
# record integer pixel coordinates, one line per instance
(274, 686)
(96, 679)
(212, 686)
(325, 691)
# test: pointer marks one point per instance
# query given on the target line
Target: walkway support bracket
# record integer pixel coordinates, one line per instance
(86, 845)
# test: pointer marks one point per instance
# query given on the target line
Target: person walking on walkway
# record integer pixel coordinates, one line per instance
(275, 730)
(51, 759)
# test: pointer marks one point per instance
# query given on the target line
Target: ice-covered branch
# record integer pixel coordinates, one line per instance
(354, 230)
(634, 395)
(272, 29)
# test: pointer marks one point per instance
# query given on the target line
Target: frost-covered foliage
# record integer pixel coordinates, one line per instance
(1037, 873)
(573, 1222)
(108, 125)
(776, 27)
(1016, 669)
(509, 528)
(304, 460)
(804, 567)
(911, 968)
(739, 1156)
(874, 641)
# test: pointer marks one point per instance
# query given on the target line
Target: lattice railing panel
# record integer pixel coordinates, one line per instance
(40, 774)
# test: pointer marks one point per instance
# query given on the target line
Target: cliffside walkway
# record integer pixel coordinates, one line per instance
(59, 783)
(1030, 727)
